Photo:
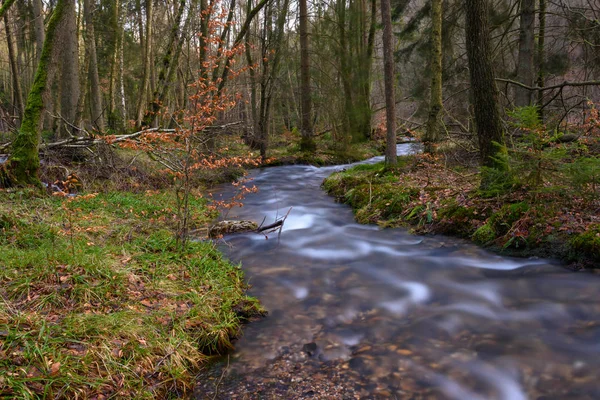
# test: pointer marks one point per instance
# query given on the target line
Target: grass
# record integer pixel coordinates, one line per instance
(285, 149)
(96, 300)
(430, 197)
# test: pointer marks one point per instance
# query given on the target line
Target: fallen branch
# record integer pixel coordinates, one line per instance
(274, 227)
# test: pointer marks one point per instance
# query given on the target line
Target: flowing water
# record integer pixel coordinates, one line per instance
(360, 312)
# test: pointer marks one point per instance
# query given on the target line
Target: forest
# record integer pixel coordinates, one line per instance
(143, 141)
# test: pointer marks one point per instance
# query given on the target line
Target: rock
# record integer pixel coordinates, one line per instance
(310, 348)
(224, 227)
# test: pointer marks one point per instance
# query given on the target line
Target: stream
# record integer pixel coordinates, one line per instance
(360, 312)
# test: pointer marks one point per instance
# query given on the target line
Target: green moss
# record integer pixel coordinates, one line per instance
(484, 235)
(24, 161)
(503, 220)
(588, 242)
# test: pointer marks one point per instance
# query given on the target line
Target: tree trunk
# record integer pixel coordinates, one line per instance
(168, 62)
(69, 55)
(14, 71)
(434, 123)
(38, 17)
(483, 87)
(391, 158)
(145, 86)
(525, 68)
(116, 98)
(96, 109)
(307, 142)
(541, 53)
(24, 162)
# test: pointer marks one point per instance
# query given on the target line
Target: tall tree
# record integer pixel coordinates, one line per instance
(483, 86)
(541, 75)
(14, 71)
(390, 99)
(69, 78)
(116, 98)
(306, 130)
(355, 44)
(145, 86)
(23, 164)
(525, 66)
(434, 123)
(96, 109)
(169, 65)
(265, 74)
(38, 23)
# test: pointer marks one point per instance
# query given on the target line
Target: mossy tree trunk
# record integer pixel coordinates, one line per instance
(434, 123)
(483, 86)
(23, 164)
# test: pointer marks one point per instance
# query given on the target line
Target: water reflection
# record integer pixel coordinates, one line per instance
(400, 314)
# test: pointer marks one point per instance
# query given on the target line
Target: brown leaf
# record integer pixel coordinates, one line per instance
(54, 368)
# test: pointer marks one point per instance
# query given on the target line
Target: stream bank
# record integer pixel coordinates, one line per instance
(360, 312)
(430, 198)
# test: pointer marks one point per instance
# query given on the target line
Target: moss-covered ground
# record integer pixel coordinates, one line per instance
(430, 198)
(97, 301)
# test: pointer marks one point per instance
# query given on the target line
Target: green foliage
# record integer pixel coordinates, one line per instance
(484, 234)
(534, 153)
(374, 193)
(584, 176)
(527, 118)
(503, 220)
(588, 242)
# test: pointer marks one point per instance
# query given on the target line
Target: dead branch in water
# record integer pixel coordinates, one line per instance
(274, 227)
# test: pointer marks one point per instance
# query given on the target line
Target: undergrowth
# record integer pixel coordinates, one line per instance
(97, 302)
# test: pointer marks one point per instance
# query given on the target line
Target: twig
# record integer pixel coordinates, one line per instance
(220, 379)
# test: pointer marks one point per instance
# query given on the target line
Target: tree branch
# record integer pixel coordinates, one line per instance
(558, 86)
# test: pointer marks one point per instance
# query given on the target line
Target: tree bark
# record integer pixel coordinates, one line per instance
(23, 164)
(14, 71)
(69, 55)
(391, 158)
(434, 123)
(306, 129)
(525, 68)
(541, 80)
(168, 62)
(38, 22)
(115, 96)
(145, 86)
(96, 109)
(483, 87)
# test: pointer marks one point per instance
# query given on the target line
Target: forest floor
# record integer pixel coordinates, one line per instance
(97, 301)
(96, 298)
(431, 197)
